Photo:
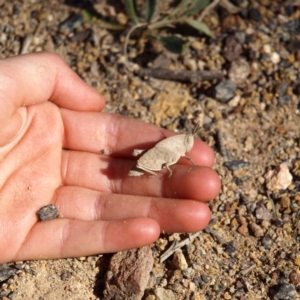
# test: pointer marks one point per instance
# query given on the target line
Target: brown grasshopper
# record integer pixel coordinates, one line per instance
(164, 154)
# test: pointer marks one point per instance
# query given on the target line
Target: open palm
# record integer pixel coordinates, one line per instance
(51, 140)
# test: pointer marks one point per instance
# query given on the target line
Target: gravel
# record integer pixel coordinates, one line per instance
(250, 252)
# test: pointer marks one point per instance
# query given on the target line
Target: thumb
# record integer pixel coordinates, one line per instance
(35, 78)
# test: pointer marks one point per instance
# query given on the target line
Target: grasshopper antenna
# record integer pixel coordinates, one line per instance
(196, 128)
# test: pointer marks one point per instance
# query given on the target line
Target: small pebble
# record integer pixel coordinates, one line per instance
(292, 27)
(47, 212)
(236, 164)
(225, 91)
(205, 278)
(279, 178)
(255, 14)
(281, 88)
(71, 23)
(164, 294)
(262, 213)
(239, 71)
(297, 260)
(232, 48)
(283, 100)
(65, 276)
(294, 278)
(256, 230)
(6, 271)
(267, 242)
(275, 58)
(179, 260)
(230, 248)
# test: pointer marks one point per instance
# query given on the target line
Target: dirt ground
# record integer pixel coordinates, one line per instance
(250, 117)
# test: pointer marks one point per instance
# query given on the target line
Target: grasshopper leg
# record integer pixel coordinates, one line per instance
(147, 170)
(168, 167)
(188, 158)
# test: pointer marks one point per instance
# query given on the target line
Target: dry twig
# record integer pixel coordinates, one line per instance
(273, 205)
(207, 9)
(181, 75)
(177, 245)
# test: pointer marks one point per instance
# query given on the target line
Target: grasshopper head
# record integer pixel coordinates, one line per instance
(189, 141)
(189, 138)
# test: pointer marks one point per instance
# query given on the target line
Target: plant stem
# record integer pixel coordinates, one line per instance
(132, 29)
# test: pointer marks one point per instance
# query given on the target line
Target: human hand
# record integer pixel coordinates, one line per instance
(51, 135)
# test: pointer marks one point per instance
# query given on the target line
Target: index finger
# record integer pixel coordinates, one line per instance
(117, 136)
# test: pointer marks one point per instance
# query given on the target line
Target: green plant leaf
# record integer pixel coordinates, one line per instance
(199, 26)
(197, 5)
(173, 44)
(180, 8)
(100, 22)
(130, 8)
(150, 9)
(87, 16)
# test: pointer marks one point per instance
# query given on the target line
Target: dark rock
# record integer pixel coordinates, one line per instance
(284, 63)
(296, 88)
(289, 10)
(293, 46)
(232, 48)
(4, 293)
(238, 2)
(284, 291)
(282, 100)
(205, 278)
(47, 212)
(293, 27)
(281, 88)
(31, 271)
(230, 248)
(65, 276)
(81, 36)
(7, 271)
(278, 223)
(71, 23)
(57, 40)
(198, 282)
(255, 14)
(236, 164)
(225, 90)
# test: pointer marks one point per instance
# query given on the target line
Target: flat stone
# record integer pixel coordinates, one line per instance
(6, 271)
(285, 291)
(128, 274)
(236, 164)
(225, 91)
